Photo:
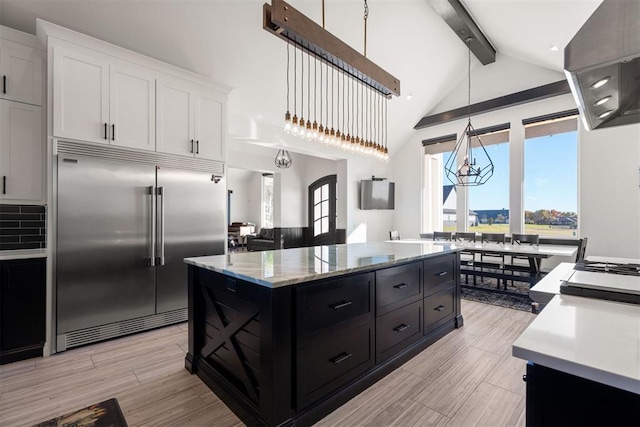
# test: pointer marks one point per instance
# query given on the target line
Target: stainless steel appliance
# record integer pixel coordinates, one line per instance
(125, 222)
(602, 65)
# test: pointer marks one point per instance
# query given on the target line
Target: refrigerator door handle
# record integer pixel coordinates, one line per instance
(152, 225)
(161, 225)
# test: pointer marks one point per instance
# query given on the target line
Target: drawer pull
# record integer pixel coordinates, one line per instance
(340, 358)
(340, 305)
(401, 328)
(401, 286)
(440, 308)
(442, 273)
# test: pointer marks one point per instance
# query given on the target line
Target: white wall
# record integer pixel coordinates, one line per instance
(366, 225)
(290, 185)
(610, 190)
(246, 199)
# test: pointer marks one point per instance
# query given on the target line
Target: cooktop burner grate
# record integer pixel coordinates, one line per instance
(607, 267)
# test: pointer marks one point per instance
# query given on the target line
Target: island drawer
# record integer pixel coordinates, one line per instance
(398, 329)
(332, 360)
(438, 273)
(334, 301)
(438, 308)
(398, 286)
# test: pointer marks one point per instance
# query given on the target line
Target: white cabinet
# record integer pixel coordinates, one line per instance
(21, 73)
(21, 151)
(132, 108)
(190, 121)
(96, 101)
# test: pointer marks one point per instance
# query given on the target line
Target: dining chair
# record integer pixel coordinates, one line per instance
(442, 235)
(581, 244)
(467, 259)
(517, 263)
(493, 260)
(394, 235)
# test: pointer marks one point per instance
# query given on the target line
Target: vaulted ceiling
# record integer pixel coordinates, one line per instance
(224, 41)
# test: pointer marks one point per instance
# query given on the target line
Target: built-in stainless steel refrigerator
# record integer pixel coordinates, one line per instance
(124, 227)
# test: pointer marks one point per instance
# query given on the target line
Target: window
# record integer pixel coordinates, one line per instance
(439, 199)
(551, 178)
(489, 203)
(267, 201)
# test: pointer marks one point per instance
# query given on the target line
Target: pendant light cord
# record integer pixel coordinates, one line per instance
(469, 76)
(288, 45)
(366, 15)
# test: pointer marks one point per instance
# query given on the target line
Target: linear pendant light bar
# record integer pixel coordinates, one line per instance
(286, 22)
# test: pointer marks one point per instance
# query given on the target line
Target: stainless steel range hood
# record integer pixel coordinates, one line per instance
(602, 64)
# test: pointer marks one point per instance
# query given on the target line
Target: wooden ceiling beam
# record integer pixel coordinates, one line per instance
(457, 17)
(535, 94)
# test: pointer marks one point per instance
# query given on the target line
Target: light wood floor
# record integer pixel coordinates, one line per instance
(467, 378)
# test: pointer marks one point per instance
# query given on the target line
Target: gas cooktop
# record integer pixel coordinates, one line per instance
(604, 280)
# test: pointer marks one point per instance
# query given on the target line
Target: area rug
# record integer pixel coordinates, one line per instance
(518, 298)
(103, 414)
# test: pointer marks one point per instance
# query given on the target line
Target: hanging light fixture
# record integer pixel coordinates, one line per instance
(283, 159)
(366, 88)
(470, 172)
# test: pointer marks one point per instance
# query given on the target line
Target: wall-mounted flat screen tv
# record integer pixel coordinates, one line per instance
(377, 194)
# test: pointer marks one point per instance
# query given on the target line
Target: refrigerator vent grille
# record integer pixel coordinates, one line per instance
(126, 327)
(158, 159)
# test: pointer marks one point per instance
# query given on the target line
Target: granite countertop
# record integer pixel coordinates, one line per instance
(590, 338)
(22, 254)
(297, 265)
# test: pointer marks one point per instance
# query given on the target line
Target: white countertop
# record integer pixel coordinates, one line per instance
(297, 265)
(23, 254)
(549, 286)
(593, 339)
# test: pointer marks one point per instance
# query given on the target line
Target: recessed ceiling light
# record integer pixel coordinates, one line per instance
(605, 114)
(409, 96)
(553, 48)
(600, 83)
(601, 101)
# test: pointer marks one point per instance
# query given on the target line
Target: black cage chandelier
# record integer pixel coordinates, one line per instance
(470, 172)
(339, 96)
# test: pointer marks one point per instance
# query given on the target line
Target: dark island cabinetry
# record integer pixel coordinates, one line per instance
(22, 309)
(289, 355)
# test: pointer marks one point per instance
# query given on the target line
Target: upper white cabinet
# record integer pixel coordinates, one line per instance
(190, 121)
(209, 129)
(96, 101)
(132, 107)
(21, 151)
(20, 73)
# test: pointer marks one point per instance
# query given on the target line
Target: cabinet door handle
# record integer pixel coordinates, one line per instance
(401, 328)
(440, 308)
(401, 286)
(340, 305)
(192, 146)
(113, 132)
(197, 146)
(4, 84)
(4, 184)
(340, 358)
(442, 273)
(105, 131)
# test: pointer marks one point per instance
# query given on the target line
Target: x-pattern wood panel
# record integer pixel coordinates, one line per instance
(234, 358)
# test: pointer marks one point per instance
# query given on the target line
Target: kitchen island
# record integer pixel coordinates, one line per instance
(286, 337)
(583, 357)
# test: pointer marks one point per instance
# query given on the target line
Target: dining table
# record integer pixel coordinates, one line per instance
(534, 253)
